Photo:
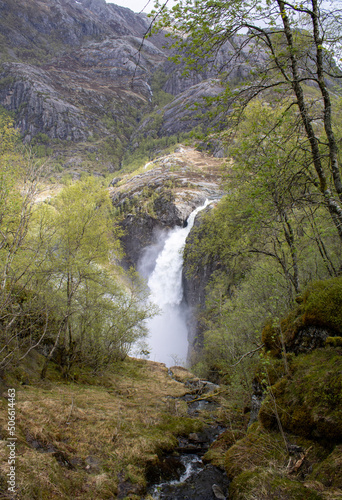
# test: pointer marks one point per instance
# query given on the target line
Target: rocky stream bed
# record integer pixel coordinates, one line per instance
(183, 475)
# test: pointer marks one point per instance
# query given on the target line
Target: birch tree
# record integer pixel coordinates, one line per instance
(290, 47)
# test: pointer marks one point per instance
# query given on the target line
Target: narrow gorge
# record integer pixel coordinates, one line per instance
(166, 200)
(168, 330)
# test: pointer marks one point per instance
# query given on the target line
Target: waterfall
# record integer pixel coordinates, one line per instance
(162, 265)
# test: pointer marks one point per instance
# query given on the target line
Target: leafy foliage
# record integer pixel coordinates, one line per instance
(268, 238)
(60, 285)
(289, 46)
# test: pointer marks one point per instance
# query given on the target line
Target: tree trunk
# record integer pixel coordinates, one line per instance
(333, 206)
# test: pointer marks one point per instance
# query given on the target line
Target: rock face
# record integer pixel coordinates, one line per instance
(194, 286)
(80, 72)
(85, 64)
(90, 53)
(55, 24)
(164, 196)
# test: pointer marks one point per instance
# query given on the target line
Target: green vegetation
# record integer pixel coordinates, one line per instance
(269, 483)
(309, 398)
(272, 320)
(147, 149)
(267, 240)
(92, 435)
(160, 97)
(61, 290)
(272, 246)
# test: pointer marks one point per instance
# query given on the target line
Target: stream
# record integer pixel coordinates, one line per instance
(197, 482)
(181, 475)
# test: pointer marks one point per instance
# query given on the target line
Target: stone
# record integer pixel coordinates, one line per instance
(218, 493)
(197, 486)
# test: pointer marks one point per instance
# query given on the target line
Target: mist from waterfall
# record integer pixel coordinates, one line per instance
(161, 264)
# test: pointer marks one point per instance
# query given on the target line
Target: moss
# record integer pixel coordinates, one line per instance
(329, 472)
(334, 341)
(309, 402)
(319, 306)
(180, 426)
(217, 451)
(269, 370)
(323, 304)
(258, 448)
(271, 340)
(268, 484)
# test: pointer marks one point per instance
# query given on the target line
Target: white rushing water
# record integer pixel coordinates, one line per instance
(192, 463)
(168, 340)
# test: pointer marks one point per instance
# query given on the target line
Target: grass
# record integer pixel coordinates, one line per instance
(87, 437)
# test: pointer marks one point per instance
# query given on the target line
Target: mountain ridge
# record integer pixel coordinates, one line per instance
(80, 73)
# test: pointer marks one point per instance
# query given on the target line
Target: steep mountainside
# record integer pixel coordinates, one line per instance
(68, 66)
(162, 195)
(77, 76)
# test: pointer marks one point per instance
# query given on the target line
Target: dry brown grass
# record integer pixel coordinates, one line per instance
(99, 431)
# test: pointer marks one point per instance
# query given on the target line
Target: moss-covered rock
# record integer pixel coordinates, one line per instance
(329, 472)
(309, 400)
(269, 484)
(322, 304)
(258, 448)
(217, 451)
(317, 317)
(314, 323)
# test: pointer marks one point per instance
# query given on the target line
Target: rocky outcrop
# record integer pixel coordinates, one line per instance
(194, 286)
(86, 74)
(139, 233)
(187, 111)
(236, 69)
(56, 24)
(40, 107)
(71, 98)
(163, 196)
(80, 71)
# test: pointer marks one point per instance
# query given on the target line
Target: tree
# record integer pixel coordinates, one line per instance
(99, 311)
(292, 48)
(272, 169)
(76, 232)
(20, 175)
(60, 286)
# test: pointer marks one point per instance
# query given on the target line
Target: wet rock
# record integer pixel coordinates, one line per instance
(256, 401)
(218, 493)
(127, 488)
(199, 442)
(159, 199)
(194, 286)
(167, 468)
(202, 386)
(197, 487)
(308, 338)
(138, 233)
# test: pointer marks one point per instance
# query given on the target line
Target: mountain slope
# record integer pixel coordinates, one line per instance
(85, 86)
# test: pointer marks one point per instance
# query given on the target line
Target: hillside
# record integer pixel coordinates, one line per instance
(170, 203)
(101, 436)
(84, 88)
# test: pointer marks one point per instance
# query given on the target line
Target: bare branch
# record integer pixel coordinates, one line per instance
(250, 354)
